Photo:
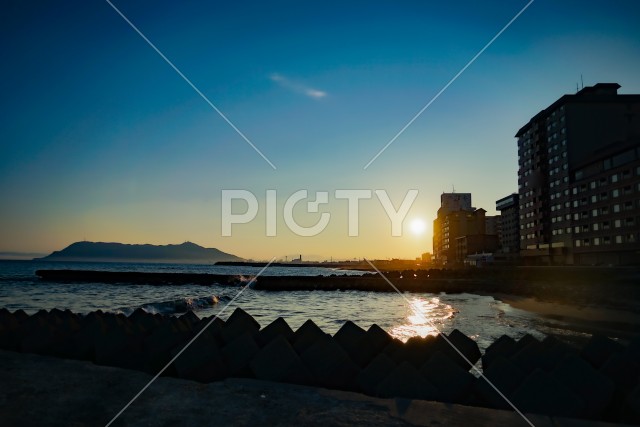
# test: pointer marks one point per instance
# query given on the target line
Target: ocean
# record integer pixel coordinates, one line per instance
(481, 317)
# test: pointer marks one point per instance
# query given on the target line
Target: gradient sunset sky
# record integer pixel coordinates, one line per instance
(102, 140)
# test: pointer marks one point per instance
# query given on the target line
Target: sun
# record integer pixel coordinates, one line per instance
(417, 226)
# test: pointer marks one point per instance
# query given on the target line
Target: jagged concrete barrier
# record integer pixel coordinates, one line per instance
(599, 381)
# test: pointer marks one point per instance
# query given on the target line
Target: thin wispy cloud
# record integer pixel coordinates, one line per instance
(297, 87)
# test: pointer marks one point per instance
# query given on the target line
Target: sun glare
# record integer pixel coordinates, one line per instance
(417, 226)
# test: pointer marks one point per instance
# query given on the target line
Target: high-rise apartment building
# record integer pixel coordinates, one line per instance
(579, 179)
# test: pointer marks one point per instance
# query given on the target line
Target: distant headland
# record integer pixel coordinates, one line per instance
(185, 253)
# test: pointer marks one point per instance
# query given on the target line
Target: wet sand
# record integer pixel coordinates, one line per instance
(614, 320)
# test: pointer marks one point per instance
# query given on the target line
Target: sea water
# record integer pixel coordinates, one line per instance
(483, 318)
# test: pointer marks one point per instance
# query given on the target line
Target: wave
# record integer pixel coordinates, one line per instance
(177, 306)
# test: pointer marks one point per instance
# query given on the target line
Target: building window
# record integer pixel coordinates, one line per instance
(606, 240)
(596, 241)
(617, 223)
(618, 239)
(614, 177)
(592, 185)
(596, 226)
(616, 208)
(594, 212)
(615, 193)
(578, 243)
(594, 198)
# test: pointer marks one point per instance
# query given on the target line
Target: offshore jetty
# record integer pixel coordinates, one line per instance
(561, 284)
(597, 381)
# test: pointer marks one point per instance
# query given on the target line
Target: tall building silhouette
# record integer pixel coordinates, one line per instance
(579, 180)
(459, 229)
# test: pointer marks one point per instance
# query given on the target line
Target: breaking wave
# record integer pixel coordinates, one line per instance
(177, 306)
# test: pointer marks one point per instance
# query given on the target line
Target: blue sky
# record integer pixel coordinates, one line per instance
(102, 140)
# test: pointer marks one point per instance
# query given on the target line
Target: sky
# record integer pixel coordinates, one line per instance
(102, 140)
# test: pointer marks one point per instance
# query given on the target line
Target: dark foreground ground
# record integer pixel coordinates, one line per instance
(45, 391)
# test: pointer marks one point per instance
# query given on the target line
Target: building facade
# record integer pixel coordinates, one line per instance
(563, 151)
(510, 224)
(456, 218)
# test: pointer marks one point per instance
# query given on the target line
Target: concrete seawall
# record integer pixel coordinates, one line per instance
(598, 381)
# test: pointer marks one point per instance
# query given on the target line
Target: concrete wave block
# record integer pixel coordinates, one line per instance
(38, 332)
(306, 336)
(505, 346)
(378, 337)
(554, 352)
(454, 383)
(190, 317)
(393, 347)
(37, 339)
(65, 325)
(214, 327)
(158, 345)
(20, 315)
(541, 393)
(634, 347)
(82, 342)
(239, 323)
(143, 320)
(598, 350)
(417, 350)
(275, 329)
(349, 336)
(377, 370)
(631, 411)
(592, 386)
(278, 361)
(466, 346)
(528, 357)
(330, 364)
(119, 346)
(623, 369)
(202, 361)
(184, 326)
(239, 353)
(524, 341)
(406, 381)
(369, 345)
(505, 375)
(10, 336)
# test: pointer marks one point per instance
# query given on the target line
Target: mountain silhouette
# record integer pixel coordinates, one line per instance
(119, 252)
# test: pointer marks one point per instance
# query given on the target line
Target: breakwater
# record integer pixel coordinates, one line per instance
(598, 380)
(602, 286)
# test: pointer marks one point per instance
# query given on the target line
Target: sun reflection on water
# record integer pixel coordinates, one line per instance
(425, 316)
